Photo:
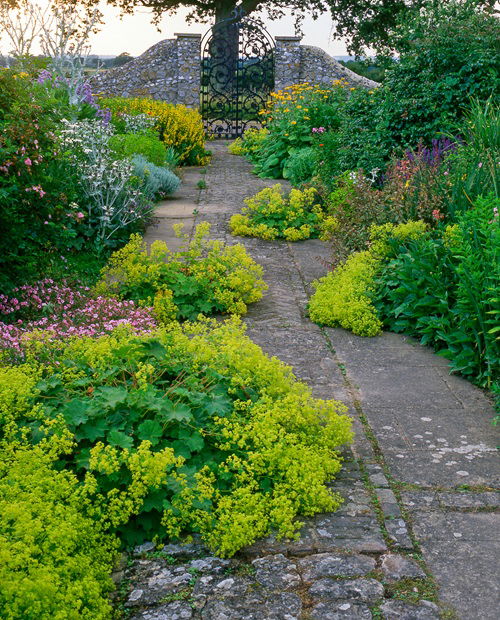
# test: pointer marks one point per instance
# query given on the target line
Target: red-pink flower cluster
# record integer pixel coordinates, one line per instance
(63, 311)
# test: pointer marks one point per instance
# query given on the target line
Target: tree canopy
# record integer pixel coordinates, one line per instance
(361, 23)
(208, 10)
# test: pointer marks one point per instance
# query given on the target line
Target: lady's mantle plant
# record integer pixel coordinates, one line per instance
(204, 277)
(190, 429)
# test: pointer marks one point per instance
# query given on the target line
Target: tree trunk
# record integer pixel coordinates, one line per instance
(224, 48)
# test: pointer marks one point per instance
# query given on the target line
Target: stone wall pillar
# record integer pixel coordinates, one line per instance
(188, 69)
(288, 58)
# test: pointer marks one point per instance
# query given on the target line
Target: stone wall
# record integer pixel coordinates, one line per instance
(296, 63)
(170, 70)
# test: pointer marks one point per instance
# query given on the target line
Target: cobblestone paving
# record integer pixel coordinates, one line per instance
(419, 521)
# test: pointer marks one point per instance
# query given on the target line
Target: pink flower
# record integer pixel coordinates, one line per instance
(27, 161)
(80, 215)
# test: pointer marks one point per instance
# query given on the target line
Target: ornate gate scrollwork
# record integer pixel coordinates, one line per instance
(237, 75)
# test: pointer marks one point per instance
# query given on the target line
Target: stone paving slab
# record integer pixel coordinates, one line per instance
(462, 551)
(410, 480)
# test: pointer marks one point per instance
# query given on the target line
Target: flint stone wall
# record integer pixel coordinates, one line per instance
(296, 63)
(170, 70)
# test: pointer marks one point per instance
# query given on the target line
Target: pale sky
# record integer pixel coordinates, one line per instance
(135, 33)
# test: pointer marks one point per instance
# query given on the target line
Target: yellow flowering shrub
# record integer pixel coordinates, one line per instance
(272, 215)
(178, 126)
(203, 277)
(344, 297)
(190, 429)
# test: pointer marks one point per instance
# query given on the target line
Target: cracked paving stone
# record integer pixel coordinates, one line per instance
(222, 586)
(396, 529)
(395, 566)
(152, 582)
(363, 590)
(190, 550)
(388, 503)
(210, 565)
(400, 610)
(176, 610)
(276, 572)
(379, 480)
(254, 606)
(335, 565)
(341, 611)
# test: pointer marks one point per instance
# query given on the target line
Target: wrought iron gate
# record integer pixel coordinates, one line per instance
(237, 75)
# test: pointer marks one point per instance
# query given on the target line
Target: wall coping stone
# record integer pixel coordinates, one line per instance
(187, 35)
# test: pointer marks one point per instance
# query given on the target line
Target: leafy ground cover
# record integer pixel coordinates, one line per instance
(197, 431)
(204, 277)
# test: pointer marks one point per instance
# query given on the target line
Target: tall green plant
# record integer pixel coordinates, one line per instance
(474, 169)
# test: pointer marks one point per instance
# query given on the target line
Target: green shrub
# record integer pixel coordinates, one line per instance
(355, 142)
(300, 166)
(157, 181)
(449, 53)
(146, 144)
(344, 297)
(38, 192)
(205, 277)
(271, 215)
(55, 562)
(192, 429)
(446, 290)
(294, 113)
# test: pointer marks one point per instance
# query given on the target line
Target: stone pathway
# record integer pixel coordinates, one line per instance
(420, 481)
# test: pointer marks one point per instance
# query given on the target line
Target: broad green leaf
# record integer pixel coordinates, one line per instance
(110, 396)
(179, 412)
(119, 439)
(75, 412)
(155, 349)
(150, 430)
(95, 429)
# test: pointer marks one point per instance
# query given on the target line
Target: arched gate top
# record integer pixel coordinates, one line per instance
(237, 75)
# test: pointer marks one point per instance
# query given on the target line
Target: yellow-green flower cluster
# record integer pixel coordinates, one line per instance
(272, 215)
(225, 278)
(55, 562)
(344, 297)
(249, 144)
